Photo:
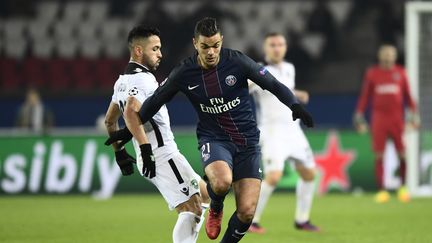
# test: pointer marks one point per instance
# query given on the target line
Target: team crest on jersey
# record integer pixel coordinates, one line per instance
(194, 183)
(138, 70)
(122, 88)
(230, 80)
(396, 77)
(133, 91)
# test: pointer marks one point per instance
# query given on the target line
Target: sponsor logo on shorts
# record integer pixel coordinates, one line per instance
(185, 190)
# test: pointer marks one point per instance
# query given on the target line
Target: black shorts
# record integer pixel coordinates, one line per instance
(243, 161)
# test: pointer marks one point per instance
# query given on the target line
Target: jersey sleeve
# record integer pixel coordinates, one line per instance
(164, 93)
(407, 92)
(365, 93)
(143, 87)
(114, 96)
(293, 73)
(262, 77)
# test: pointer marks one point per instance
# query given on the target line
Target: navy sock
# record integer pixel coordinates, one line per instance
(216, 200)
(236, 230)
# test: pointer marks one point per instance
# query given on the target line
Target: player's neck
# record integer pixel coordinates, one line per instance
(204, 66)
(138, 62)
(273, 63)
(387, 66)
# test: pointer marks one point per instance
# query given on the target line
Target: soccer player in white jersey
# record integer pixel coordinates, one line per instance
(158, 158)
(282, 139)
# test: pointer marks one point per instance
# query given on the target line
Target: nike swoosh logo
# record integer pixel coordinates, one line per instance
(239, 233)
(192, 87)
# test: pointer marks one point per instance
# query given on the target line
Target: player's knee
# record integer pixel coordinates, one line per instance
(308, 175)
(192, 205)
(246, 213)
(220, 186)
(273, 178)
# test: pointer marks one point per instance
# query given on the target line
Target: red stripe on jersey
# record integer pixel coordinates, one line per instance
(213, 89)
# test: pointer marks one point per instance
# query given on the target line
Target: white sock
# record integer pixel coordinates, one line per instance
(184, 230)
(204, 207)
(266, 191)
(304, 193)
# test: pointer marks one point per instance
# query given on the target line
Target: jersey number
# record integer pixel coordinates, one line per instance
(122, 105)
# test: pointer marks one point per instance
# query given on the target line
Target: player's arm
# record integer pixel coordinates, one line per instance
(123, 159)
(412, 116)
(150, 107)
(302, 95)
(359, 121)
(133, 123)
(164, 93)
(259, 75)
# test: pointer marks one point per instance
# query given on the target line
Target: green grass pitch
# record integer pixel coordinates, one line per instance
(145, 218)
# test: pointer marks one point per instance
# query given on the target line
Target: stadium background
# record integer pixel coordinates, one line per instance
(73, 51)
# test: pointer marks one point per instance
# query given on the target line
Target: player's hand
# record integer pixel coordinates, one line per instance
(360, 123)
(125, 162)
(149, 166)
(123, 136)
(299, 112)
(412, 120)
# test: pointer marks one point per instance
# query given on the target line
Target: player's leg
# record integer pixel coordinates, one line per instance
(274, 153)
(246, 194)
(217, 160)
(179, 185)
(379, 137)
(246, 185)
(397, 137)
(189, 217)
(305, 191)
(273, 174)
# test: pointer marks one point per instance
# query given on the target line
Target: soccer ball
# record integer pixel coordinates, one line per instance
(133, 91)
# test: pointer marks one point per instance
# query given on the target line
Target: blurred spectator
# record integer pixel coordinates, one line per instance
(297, 55)
(388, 23)
(33, 114)
(322, 21)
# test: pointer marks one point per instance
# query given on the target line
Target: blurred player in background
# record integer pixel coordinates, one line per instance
(386, 87)
(215, 81)
(34, 115)
(167, 169)
(282, 138)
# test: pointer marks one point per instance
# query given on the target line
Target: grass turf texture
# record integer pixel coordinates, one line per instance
(145, 218)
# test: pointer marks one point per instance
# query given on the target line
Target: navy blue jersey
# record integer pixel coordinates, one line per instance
(220, 96)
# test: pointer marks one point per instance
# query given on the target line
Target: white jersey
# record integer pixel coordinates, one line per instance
(269, 109)
(141, 83)
(281, 138)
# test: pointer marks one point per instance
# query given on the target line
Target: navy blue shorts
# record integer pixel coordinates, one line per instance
(243, 161)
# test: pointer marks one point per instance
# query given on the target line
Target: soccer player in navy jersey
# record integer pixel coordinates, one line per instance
(215, 80)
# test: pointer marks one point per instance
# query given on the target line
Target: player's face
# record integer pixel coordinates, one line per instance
(151, 54)
(387, 56)
(275, 48)
(208, 50)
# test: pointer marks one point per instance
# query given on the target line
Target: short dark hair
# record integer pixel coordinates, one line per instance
(141, 31)
(206, 27)
(272, 34)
